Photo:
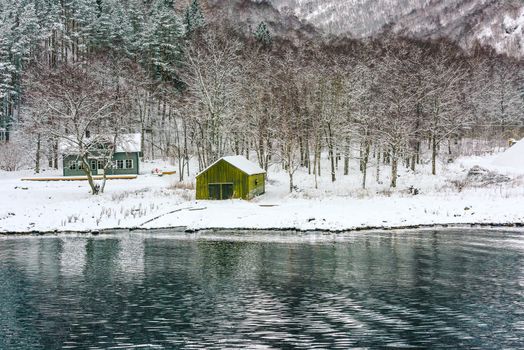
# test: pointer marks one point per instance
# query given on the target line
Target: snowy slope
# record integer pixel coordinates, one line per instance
(246, 15)
(504, 31)
(512, 158)
(495, 23)
(359, 18)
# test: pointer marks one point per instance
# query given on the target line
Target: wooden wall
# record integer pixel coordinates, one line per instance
(222, 172)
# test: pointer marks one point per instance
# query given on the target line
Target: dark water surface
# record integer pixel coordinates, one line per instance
(454, 289)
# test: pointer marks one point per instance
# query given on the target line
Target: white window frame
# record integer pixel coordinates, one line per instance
(100, 162)
(129, 167)
(73, 165)
(120, 162)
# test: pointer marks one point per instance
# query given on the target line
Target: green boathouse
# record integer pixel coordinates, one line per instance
(231, 177)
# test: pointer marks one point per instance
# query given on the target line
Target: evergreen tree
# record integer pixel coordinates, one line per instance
(7, 71)
(262, 34)
(123, 33)
(194, 18)
(162, 41)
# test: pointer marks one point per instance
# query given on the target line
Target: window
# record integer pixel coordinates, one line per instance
(256, 182)
(120, 164)
(101, 164)
(129, 163)
(93, 164)
(73, 164)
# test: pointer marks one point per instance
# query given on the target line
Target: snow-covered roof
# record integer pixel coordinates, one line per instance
(128, 143)
(240, 163)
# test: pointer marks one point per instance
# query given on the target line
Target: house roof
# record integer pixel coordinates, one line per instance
(240, 163)
(128, 143)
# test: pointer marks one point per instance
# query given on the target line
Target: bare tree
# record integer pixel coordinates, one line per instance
(82, 112)
(445, 75)
(210, 74)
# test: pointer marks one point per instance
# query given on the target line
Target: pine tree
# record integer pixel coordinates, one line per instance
(7, 71)
(194, 18)
(162, 41)
(122, 31)
(262, 34)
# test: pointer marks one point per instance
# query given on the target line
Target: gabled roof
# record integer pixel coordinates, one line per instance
(241, 163)
(125, 143)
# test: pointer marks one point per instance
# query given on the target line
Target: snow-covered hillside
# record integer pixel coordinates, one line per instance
(504, 32)
(359, 18)
(492, 22)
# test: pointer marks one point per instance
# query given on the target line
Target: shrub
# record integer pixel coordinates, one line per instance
(10, 159)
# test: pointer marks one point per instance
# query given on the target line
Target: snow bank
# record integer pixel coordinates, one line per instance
(512, 158)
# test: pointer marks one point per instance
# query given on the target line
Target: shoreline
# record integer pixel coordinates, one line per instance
(185, 230)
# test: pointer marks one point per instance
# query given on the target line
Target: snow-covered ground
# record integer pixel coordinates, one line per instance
(158, 202)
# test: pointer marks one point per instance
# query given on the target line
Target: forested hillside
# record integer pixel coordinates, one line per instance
(497, 23)
(200, 81)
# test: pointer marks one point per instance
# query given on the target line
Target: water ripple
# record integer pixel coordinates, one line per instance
(430, 289)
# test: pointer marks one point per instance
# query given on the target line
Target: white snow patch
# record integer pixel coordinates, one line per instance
(513, 157)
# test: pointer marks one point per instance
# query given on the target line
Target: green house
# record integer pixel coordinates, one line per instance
(125, 160)
(231, 177)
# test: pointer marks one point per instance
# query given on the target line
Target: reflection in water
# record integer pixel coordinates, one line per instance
(73, 256)
(131, 257)
(428, 289)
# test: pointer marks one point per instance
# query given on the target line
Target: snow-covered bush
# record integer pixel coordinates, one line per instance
(11, 156)
(478, 176)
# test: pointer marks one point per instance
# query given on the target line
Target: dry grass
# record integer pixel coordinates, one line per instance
(120, 196)
(182, 185)
(184, 190)
(387, 192)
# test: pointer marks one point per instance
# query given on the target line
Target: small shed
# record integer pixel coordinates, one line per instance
(231, 177)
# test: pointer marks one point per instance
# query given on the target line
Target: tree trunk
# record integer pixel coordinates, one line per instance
(365, 160)
(37, 155)
(87, 170)
(331, 152)
(346, 157)
(55, 155)
(331, 156)
(378, 167)
(104, 180)
(394, 167)
(434, 155)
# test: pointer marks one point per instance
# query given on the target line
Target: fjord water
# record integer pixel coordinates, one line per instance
(430, 289)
